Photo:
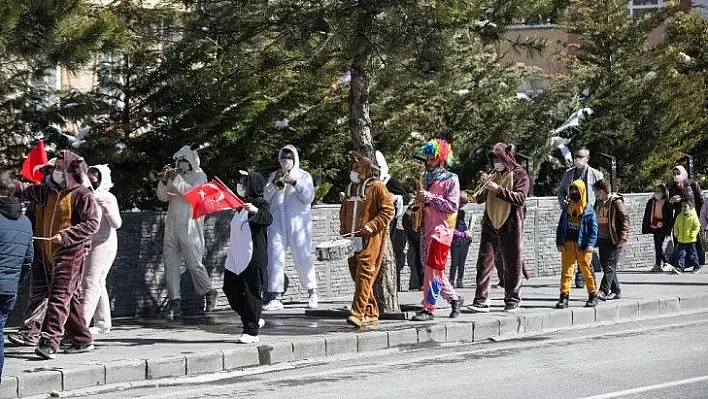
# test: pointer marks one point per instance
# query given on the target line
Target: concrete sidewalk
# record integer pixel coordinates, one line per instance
(137, 350)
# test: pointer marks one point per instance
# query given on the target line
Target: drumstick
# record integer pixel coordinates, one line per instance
(42, 238)
(351, 234)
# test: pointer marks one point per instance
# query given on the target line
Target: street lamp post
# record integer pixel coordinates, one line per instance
(529, 171)
(689, 160)
(613, 170)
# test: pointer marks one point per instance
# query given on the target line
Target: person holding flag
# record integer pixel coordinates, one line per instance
(184, 235)
(247, 257)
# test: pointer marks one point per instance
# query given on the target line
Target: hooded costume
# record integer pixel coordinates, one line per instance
(576, 237)
(247, 257)
(366, 210)
(184, 236)
(440, 201)
(72, 213)
(104, 245)
(401, 198)
(503, 227)
(291, 228)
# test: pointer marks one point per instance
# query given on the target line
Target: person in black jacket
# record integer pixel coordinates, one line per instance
(247, 257)
(658, 221)
(461, 240)
(16, 252)
(413, 237)
(682, 188)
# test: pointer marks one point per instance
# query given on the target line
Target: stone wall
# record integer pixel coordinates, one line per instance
(136, 281)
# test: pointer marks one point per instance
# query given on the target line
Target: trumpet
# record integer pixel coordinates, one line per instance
(279, 180)
(156, 176)
(482, 183)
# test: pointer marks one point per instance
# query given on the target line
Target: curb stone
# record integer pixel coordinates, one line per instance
(125, 371)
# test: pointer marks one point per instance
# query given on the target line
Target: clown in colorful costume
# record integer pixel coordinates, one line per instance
(366, 211)
(439, 198)
(503, 226)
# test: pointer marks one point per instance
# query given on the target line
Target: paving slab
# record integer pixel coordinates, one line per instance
(139, 349)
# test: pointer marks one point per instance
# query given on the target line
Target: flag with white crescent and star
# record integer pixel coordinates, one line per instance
(212, 197)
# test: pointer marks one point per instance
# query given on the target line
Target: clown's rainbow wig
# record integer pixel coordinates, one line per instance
(438, 149)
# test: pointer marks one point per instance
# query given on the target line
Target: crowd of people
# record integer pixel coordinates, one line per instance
(62, 233)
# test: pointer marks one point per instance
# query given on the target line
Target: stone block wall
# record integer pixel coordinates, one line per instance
(136, 281)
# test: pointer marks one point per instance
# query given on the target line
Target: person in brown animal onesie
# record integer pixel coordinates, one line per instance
(366, 212)
(503, 225)
(66, 218)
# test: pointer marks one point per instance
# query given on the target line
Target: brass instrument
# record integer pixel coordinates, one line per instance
(156, 176)
(417, 208)
(279, 180)
(482, 183)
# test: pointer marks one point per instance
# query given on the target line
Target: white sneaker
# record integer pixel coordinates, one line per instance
(275, 304)
(261, 323)
(312, 302)
(248, 339)
(99, 330)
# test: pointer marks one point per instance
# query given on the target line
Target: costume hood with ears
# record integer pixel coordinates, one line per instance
(75, 168)
(105, 182)
(293, 150)
(189, 155)
(505, 154)
(383, 167)
(363, 165)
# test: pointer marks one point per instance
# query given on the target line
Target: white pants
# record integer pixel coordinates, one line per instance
(174, 252)
(96, 304)
(276, 265)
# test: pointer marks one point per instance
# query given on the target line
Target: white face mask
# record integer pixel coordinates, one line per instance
(658, 196)
(354, 177)
(581, 163)
(677, 178)
(58, 177)
(287, 164)
(241, 190)
(499, 167)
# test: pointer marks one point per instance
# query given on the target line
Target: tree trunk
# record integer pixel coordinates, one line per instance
(359, 120)
(386, 286)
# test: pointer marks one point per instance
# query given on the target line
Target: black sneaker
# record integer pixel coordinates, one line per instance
(480, 307)
(677, 269)
(613, 296)
(563, 301)
(696, 270)
(592, 301)
(210, 298)
(65, 343)
(456, 306)
(45, 351)
(20, 340)
(423, 316)
(601, 296)
(73, 349)
(512, 308)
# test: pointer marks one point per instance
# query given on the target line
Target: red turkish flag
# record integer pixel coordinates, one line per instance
(34, 161)
(212, 197)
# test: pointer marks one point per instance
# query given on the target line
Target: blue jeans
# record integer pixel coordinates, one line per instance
(7, 303)
(686, 255)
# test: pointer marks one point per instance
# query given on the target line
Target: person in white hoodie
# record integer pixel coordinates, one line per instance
(184, 236)
(104, 245)
(290, 192)
(247, 257)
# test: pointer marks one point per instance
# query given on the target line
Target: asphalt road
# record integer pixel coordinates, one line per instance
(663, 358)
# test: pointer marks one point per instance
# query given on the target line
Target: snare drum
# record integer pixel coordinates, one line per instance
(338, 249)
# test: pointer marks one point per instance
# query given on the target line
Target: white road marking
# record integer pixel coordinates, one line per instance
(648, 388)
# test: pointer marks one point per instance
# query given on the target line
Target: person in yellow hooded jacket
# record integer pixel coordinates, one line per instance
(576, 237)
(686, 229)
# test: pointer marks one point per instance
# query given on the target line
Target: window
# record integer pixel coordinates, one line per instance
(639, 8)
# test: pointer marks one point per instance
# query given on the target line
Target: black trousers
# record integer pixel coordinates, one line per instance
(245, 297)
(609, 256)
(398, 241)
(659, 256)
(417, 265)
(457, 264)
